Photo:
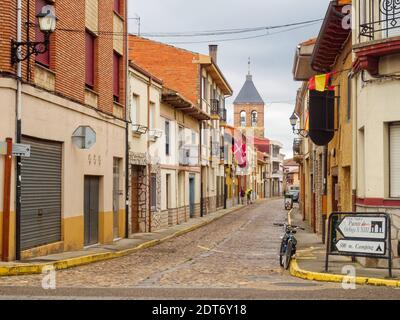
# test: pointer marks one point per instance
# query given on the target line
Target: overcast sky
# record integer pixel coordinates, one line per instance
(271, 56)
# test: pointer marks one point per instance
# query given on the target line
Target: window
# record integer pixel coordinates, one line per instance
(134, 109)
(152, 110)
(116, 73)
(167, 138)
(204, 88)
(153, 187)
(193, 138)
(44, 58)
(89, 77)
(117, 6)
(254, 119)
(243, 119)
(394, 149)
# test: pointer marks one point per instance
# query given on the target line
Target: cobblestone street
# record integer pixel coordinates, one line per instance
(234, 257)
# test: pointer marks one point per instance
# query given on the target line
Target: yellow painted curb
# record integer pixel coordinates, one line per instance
(19, 270)
(295, 271)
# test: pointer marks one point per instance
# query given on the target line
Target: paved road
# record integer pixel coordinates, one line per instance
(232, 258)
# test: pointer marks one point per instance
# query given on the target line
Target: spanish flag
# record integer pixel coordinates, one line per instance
(321, 82)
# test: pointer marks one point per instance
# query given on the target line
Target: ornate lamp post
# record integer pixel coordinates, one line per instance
(293, 122)
(47, 24)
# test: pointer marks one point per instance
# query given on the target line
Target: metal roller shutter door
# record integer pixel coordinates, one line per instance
(41, 194)
(394, 160)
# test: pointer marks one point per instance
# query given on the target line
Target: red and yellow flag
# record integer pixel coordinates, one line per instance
(321, 82)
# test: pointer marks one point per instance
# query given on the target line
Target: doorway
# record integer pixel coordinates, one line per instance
(116, 195)
(91, 210)
(192, 196)
(135, 199)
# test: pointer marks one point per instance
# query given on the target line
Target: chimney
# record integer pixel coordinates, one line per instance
(213, 48)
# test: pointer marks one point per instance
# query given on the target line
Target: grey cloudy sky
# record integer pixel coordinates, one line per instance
(271, 56)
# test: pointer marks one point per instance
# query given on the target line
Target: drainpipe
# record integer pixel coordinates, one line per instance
(353, 110)
(148, 150)
(127, 99)
(18, 136)
(201, 169)
(201, 146)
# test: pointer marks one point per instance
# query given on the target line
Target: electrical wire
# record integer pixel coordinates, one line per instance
(243, 38)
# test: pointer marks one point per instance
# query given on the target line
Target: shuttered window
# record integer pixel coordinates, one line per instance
(89, 79)
(117, 6)
(44, 58)
(116, 73)
(394, 137)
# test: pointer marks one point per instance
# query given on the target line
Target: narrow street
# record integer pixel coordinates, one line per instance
(232, 258)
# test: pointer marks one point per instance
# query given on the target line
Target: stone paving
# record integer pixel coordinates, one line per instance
(238, 251)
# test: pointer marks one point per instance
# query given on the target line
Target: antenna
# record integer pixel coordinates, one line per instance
(249, 64)
(137, 17)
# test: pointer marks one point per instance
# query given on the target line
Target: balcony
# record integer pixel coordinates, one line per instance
(223, 116)
(379, 33)
(189, 155)
(215, 112)
(379, 19)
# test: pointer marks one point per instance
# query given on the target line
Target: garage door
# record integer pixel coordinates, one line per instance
(41, 194)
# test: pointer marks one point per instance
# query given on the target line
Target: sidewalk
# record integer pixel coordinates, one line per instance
(97, 253)
(310, 261)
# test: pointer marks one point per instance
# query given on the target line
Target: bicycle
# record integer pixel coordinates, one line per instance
(288, 244)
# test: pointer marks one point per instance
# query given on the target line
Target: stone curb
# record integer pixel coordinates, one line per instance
(28, 269)
(295, 271)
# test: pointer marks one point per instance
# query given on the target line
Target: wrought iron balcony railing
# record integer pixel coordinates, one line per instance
(223, 114)
(214, 107)
(379, 19)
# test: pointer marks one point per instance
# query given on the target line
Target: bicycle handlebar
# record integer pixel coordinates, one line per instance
(288, 225)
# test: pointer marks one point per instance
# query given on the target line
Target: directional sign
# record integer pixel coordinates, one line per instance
(363, 227)
(363, 247)
(21, 150)
(18, 149)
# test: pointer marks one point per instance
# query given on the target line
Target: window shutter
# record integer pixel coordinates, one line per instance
(116, 77)
(43, 58)
(89, 60)
(394, 160)
(117, 6)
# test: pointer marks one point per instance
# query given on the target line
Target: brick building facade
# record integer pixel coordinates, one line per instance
(57, 99)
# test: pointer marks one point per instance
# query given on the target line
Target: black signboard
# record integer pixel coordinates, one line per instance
(359, 235)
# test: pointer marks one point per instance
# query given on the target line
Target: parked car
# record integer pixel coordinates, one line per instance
(294, 191)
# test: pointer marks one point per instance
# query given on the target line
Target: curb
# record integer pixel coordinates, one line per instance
(295, 271)
(19, 270)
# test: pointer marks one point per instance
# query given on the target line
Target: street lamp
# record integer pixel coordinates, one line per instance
(293, 122)
(47, 24)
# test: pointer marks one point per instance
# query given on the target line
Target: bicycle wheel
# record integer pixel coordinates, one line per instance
(288, 255)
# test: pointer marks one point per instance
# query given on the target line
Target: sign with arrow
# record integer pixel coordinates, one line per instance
(363, 227)
(363, 247)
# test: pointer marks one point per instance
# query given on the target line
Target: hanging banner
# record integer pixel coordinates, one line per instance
(321, 116)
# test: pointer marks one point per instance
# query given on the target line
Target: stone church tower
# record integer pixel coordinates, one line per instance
(249, 108)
